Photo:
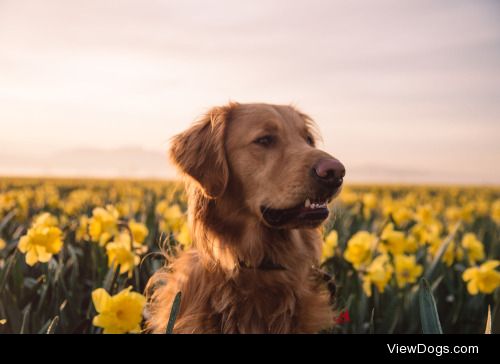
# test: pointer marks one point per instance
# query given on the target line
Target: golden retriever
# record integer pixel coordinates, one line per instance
(258, 190)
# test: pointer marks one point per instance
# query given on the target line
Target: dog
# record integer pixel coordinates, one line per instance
(258, 190)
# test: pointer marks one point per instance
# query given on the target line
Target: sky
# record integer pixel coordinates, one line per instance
(402, 91)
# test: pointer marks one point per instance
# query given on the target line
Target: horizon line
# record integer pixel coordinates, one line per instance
(357, 182)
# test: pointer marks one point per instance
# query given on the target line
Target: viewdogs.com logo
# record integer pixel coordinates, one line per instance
(437, 350)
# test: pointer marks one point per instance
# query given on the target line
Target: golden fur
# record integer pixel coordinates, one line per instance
(228, 179)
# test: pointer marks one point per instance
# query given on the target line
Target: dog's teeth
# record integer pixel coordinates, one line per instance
(313, 205)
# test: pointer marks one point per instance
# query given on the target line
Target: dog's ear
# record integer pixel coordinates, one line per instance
(200, 152)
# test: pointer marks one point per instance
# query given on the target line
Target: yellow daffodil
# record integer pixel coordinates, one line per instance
(7, 202)
(171, 217)
(118, 314)
(123, 209)
(139, 231)
(412, 244)
(482, 279)
(3, 244)
(45, 219)
(379, 273)
(427, 233)
(400, 213)
(120, 251)
(369, 204)
(82, 232)
(425, 214)
(76, 201)
(40, 243)
(406, 269)
(184, 237)
(348, 197)
(359, 249)
(452, 214)
(482, 206)
(495, 211)
(392, 241)
(454, 253)
(474, 248)
(402, 216)
(331, 242)
(104, 224)
(455, 214)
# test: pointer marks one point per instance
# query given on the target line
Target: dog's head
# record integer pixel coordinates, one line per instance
(267, 155)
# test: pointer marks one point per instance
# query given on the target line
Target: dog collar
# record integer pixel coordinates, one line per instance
(265, 265)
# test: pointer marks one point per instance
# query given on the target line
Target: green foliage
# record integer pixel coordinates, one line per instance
(55, 297)
(176, 305)
(428, 312)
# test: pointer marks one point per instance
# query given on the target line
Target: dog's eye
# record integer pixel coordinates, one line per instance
(265, 141)
(310, 141)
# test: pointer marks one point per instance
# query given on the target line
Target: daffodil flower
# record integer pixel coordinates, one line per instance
(118, 314)
(379, 273)
(104, 224)
(482, 279)
(359, 249)
(331, 242)
(42, 240)
(120, 251)
(407, 270)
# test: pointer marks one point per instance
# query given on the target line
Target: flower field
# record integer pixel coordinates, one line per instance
(75, 255)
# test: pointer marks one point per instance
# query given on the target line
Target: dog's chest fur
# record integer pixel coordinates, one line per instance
(270, 302)
(220, 297)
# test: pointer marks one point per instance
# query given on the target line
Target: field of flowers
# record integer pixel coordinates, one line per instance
(75, 255)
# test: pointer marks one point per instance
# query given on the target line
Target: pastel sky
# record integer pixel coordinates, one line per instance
(403, 91)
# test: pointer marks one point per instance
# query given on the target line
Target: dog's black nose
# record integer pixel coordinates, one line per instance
(329, 172)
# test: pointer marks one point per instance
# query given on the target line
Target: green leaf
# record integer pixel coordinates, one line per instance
(6, 271)
(53, 325)
(439, 255)
(7, 218)
(495, 323)
(26, 316)
(173, 313)
(428, 312)
(372, 325)
(14, 315)
(111, 278)
(487, 331)
(43, 330)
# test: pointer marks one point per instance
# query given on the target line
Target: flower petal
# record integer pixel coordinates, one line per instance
(112, 331)
(469, 274)
(490, 265)
(472, 287)
(101, 299)
(23, 244)
(31, 257)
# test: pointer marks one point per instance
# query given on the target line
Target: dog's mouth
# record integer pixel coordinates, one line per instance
(309, 213)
